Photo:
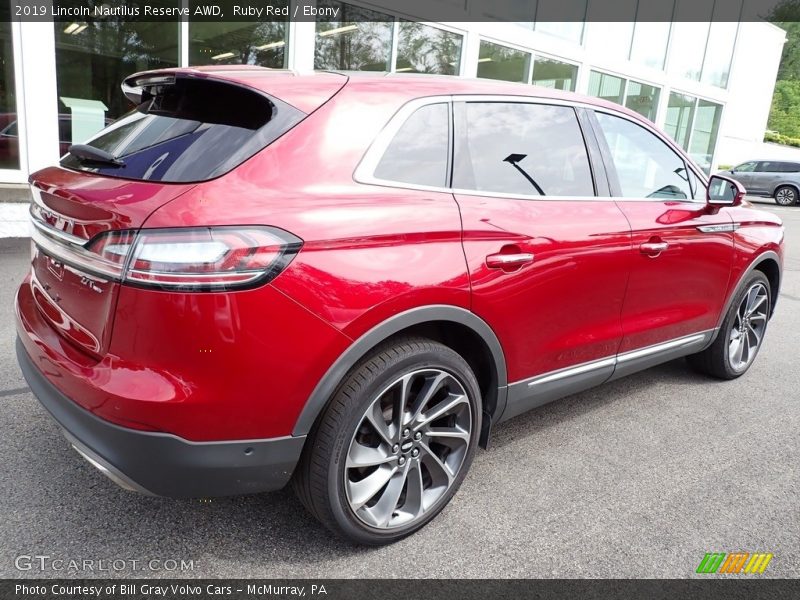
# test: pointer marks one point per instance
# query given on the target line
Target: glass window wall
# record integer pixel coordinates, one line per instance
(650, 40)
(9, 128)
(552, 73)
(680, 114)
(501, 62)
(92, 59)
(694, 125)
(704, 133)
(223, 43)
(637, 96)
(608, 87)
(425, 49)
(360, 41)
(643, 99)
(717, 64)
(548, 17)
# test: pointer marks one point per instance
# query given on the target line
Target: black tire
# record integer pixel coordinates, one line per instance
(716, 360)
(786, 195)
(320, 478)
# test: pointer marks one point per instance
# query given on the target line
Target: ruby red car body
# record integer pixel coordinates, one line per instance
(376, 260)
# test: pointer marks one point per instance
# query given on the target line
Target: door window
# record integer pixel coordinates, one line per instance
(645, 165)
(767, 167)
(520, 148)
(747, 167)
(418, 152)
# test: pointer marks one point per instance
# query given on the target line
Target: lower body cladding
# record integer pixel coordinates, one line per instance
(162, 464)
(167, 465)
(530, 393)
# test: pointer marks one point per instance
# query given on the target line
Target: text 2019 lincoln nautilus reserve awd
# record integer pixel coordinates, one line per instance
(259, 278)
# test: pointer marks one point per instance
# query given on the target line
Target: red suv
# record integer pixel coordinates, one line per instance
(345, 281)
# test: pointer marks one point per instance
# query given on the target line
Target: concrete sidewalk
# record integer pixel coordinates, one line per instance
(13, 219)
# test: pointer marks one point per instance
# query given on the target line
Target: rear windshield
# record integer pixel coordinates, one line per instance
(192, 130)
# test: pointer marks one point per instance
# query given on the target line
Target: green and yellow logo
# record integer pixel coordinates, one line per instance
(736, 562)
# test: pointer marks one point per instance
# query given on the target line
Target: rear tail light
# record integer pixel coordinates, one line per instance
(194, 259)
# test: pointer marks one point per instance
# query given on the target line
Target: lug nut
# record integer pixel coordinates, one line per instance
(401, 460)
(418, 436)
(406, 432)
(415, 452)
(396, 448)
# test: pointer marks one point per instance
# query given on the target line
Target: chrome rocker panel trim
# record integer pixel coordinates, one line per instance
(536, 391)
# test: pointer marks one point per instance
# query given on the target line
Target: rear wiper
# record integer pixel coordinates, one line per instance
(91, 155)
(514, 160)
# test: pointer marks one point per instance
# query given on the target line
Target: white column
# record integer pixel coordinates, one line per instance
(39, 94)
(663, 103)
(472, 51)
(183, 40)
(301, 41)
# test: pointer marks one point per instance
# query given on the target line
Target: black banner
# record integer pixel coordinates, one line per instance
(449, 589)
(418, 10)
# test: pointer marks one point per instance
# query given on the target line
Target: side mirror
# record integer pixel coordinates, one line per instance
(723, 191)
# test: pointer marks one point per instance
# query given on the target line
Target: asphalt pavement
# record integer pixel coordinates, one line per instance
(638, 478)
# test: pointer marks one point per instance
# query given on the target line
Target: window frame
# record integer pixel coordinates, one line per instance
(627, 81)
(558, 59)
(448, 176)
(611, 169)
(364, 172)
(530, 53)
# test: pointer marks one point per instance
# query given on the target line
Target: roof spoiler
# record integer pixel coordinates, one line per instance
(141, 87)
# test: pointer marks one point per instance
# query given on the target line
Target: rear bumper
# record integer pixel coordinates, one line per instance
(163, 464)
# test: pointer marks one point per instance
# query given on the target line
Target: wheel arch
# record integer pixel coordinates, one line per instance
(769, 263)
(457, 328)
(790, 184)
(771, 268)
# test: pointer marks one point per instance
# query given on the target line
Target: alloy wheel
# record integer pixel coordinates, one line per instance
(786, 196)
(408, 448)
(748, 327)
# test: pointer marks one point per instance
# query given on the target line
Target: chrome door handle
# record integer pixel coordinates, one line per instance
(508, 261)
(653, 248)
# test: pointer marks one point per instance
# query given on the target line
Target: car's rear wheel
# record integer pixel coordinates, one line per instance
(786, 195)
(741, 334)
(395, 443)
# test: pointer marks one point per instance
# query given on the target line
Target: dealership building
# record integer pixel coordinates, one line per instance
(708, 84)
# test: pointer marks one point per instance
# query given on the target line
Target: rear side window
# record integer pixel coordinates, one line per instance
(645, 165)
(191, 130)
(520, 148)
(788, 167)
(419, 151)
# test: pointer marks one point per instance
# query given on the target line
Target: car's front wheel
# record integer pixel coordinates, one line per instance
(786, 195)
(742, 331)
(394, 444)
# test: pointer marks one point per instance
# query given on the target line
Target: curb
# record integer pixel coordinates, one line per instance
(15, 193)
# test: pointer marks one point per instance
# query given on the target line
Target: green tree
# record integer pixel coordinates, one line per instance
(790, 60)
(784, 117)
